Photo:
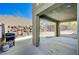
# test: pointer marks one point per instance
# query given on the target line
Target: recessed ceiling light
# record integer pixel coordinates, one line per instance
(37, 4)
(68, 6)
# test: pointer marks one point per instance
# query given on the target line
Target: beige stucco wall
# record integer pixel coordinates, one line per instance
(41, 7)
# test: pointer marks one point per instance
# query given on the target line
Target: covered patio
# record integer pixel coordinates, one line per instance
(46, 43)
(57, 13)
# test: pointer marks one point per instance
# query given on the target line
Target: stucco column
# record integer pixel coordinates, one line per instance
(57, 29)
(36, 30)
(78, 28)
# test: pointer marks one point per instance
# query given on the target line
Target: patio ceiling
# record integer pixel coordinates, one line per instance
(67, 11)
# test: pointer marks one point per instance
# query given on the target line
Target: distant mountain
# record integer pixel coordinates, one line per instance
(14, 20)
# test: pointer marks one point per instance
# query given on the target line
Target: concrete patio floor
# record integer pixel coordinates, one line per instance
(48, 46)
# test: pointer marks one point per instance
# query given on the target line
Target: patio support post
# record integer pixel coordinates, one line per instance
(78, 29)
(57, 29)
(36, 30)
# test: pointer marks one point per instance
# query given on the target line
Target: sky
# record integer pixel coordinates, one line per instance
(16, 9)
